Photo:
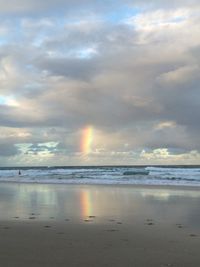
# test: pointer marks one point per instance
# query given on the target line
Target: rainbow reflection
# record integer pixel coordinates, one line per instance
(86, 141)
(86, 204)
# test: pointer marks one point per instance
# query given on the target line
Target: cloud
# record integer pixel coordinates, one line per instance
(157, 4)
(53, 6)
(49, 7)
(7, 150)
(134, 78)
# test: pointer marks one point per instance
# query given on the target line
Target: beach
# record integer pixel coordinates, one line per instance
(99, 225)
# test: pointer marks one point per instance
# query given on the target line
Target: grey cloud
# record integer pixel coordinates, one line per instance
(152, 4)
(32, 7)
(175, 138)
(69, 147)
(7, 150)
(88, 31)
(180, 100)
(128, 84)
(72, 68)
(195, 53)
(103, 104)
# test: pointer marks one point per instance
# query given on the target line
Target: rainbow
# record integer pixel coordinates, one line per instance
(86, 141)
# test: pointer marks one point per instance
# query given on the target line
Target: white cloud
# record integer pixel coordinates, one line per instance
(159, 19)
(163, 156)
(181, 75)
(165, 124)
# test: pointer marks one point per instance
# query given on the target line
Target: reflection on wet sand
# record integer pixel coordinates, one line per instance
(86, 204)
(26, 199)
(113, 225)
(165, 194)
(77, 203)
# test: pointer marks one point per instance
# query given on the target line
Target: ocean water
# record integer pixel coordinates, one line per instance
(145, 175)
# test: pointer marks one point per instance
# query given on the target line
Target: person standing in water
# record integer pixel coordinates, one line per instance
(19, 173)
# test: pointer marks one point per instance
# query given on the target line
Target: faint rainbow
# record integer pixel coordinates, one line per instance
(87, 138)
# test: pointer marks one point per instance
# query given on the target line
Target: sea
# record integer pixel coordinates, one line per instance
(127, 175)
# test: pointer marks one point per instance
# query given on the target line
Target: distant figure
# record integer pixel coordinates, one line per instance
(19, 172)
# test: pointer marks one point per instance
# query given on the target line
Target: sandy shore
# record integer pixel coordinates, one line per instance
(76, 225)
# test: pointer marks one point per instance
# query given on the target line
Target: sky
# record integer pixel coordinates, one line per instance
(94, 82)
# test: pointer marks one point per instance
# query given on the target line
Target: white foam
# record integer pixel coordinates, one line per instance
(102, 175)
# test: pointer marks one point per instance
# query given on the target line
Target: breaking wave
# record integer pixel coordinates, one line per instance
(147, 175)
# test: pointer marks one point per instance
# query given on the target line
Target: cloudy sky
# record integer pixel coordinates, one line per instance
(94, 82)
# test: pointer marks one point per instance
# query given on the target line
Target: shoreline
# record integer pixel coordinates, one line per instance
(146, 186)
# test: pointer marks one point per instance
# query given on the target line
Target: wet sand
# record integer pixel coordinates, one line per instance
(82, 225)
